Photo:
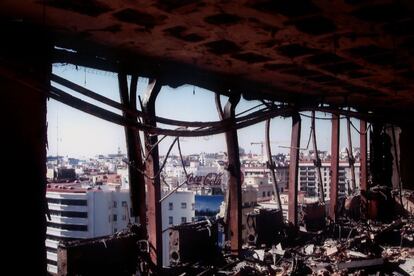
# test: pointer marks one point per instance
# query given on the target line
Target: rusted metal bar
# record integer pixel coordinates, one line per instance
(152, 167)
(397, 163)
(133, 92)
(219, 107)
(114, 104)
(209, 128)
(350, 152)
(318, 162)
(363, 169)
(120, 106)
(271, 164)
(361, 264)
(293, 169)
(134, 151)
(104, 114)
(234, 182)
(334, 166)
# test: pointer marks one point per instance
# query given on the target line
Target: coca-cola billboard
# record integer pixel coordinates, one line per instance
(210, 179)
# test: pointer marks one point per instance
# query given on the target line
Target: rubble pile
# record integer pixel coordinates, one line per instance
(352, 245)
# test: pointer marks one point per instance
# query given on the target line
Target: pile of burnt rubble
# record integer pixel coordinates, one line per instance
(372, 235)
(366, 239)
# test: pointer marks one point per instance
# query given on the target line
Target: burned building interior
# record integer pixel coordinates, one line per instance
(348, 58)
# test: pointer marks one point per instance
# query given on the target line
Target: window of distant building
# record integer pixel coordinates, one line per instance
(268, 193)
(115, 230)
(115, 204)
(192, 206)
(124, 204)
(115, 218)
(170, 206)
(264, 194)
(183, 205)
(183, 219)
(170, 220)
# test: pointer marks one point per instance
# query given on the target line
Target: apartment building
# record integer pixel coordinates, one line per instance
(81, 211)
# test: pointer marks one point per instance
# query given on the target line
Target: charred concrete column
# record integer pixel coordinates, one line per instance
(293, 169)
(380, 156)
(407, 156)
(334, 166)
(394, 133)
(134, 150)
(363, 156)
(152, 180)
(24, 82)
(234, 182)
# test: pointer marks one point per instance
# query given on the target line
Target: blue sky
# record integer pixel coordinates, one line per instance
(82, 135)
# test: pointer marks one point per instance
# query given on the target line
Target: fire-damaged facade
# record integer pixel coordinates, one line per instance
(346, 58)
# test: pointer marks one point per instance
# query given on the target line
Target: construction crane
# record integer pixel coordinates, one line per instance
(261, 146)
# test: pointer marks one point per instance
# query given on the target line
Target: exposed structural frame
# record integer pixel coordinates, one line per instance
(271, 164)
(363, 156)
(333, 199)
(204, 128)
(134, 149)
(146, 120)
(153, 182)
(293, 169)
(234, 182)
(350, 153)
(317, 160)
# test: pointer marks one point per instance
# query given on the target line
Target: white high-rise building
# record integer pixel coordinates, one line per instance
(81, 211)
(308, 178)
(176, 209)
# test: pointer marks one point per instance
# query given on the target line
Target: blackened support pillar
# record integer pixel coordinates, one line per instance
(152, 180)
(363, 156)
(234, 182)
(134, 150)
(334, 166)
(293, 169)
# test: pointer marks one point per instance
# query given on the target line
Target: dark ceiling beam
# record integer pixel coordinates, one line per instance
(176, 74)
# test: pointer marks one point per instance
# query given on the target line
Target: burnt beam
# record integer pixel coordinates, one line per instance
(234, 182)
(334, 166)
(380, 156)
(363, 155)
(134, 150)
(317, 160)
(351, 159)
(271, 164)
(293, 169)
(152, 180)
